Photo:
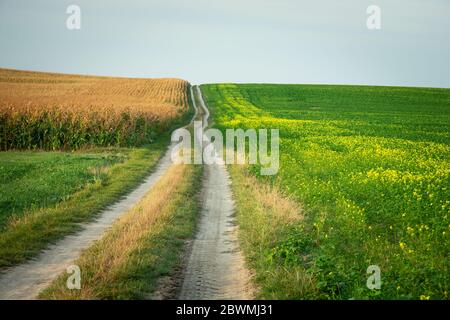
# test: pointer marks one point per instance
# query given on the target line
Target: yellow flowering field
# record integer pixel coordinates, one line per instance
(371, 167)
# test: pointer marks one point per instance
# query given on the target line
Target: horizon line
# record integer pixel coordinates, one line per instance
(224, 82)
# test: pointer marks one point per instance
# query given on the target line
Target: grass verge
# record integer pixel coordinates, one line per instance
(25, 235)
(267, 218)
(142, 245)
(31, 180)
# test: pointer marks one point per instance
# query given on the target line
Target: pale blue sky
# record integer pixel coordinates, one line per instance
(204, 41)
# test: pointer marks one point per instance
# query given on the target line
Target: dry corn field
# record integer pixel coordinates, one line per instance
(56, 111)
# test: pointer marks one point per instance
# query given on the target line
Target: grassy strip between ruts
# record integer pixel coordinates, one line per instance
(142, 245)
(267, 217)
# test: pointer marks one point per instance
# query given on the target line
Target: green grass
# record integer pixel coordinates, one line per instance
(124, 265)
(371, 166)
(31, 180)
(34, 228)
(266, 217)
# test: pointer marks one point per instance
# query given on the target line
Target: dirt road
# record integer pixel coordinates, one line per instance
(215, 267)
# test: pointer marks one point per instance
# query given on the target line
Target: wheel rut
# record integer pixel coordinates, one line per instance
(215, 267)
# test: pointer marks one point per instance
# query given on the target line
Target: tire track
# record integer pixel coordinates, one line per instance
(216, 268)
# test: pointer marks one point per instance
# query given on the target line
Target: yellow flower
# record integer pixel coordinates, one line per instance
(424, 297)
(402, 245)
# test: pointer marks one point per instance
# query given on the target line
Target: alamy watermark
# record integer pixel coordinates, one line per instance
(74, 280)
(210, 147)
(374, 19)
(374, 280)
(73, 21)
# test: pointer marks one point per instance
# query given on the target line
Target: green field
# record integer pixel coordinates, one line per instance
(31, 180)
(46, 195)
(371, 167)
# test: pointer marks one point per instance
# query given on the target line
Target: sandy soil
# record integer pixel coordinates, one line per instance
(215, 268)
